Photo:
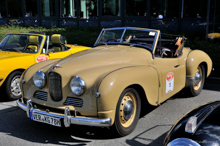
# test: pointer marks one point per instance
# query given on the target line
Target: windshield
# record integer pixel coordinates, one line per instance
(21, 43)
(130, 36)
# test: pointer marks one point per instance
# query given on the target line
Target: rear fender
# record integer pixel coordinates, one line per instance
(194, 59)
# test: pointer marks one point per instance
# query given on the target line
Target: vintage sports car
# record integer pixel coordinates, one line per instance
(110, 84)
(201, 126)
(18, 51)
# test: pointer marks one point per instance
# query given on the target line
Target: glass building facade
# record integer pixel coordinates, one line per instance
(171, 15)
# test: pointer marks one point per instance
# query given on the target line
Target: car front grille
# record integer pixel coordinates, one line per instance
(41, 95)
(77, 102)
(55, 86)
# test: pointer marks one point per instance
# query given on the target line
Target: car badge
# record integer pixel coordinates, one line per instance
(56, 66)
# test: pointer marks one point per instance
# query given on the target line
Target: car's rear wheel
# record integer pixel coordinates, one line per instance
(198, 84)
(127, 111)
(12, 85)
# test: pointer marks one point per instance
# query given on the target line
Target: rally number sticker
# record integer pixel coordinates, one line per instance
(169, 82)
(41, 58)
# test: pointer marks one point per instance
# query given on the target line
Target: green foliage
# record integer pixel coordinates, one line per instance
(75, 35)
(78, 35)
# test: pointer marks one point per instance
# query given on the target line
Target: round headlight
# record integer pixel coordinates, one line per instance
(39, 79)
(77, 86)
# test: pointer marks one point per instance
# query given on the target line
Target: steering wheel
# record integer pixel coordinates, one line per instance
(112, 39)
(30, 49)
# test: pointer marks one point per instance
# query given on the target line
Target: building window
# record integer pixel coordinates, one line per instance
(2, 9)
(68, 9)
(136, 8)
(88, 9)
(164, 9)
(194, 9)
(111, 8)
(14, 9)
(30, 8)
(214, 19)
(48, 8)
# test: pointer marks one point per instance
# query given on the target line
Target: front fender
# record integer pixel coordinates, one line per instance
(194, 59)
(114, 83)
(10, 64)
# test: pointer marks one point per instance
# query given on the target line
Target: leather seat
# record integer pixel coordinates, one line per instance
(33, 44)
(57, 43)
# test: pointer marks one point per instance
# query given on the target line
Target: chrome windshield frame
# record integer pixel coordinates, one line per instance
(121, 38)
(28, 34)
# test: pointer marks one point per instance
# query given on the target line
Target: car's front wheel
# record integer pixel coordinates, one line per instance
(127, 111)
(12, 85)
(196, 88)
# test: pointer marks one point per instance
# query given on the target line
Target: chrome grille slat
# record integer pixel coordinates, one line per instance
(55, 86)
(77, 102)
(41, 95)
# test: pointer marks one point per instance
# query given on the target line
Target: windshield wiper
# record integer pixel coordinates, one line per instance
(13, 49)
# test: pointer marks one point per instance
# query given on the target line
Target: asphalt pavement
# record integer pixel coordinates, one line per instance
(17, 130)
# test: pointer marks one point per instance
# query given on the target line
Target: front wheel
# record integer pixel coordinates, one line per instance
(12, 85)
(198, 84)
(127, 111)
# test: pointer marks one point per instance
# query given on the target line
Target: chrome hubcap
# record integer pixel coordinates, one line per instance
(197, 78)
(128, 110)
(15, 86)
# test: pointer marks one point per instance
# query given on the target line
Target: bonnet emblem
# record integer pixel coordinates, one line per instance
(56, 66)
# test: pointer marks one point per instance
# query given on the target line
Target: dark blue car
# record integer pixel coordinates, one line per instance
(201, 126)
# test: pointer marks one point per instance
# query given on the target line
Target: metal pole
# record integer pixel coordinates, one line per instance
(207, 20)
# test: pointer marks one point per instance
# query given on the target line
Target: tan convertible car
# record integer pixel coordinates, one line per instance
(109, 85)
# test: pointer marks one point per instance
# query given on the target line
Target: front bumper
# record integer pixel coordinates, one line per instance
(67, 118)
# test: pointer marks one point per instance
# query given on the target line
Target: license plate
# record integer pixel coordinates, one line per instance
(45, 119)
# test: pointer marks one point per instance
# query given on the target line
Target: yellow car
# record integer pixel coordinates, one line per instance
(212, 36)
(18, 51)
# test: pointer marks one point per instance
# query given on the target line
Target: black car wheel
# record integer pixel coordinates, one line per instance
(197, 87)
(127, 112)
(12, 86)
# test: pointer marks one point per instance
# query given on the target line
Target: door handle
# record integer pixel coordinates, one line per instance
(176, 65)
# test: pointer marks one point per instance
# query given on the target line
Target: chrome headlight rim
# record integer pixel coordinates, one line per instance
(77, 86)
(39, 79)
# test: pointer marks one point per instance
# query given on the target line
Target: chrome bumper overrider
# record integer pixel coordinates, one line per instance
(67, 118)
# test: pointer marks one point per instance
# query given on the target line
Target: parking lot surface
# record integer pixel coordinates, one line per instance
(17, 130)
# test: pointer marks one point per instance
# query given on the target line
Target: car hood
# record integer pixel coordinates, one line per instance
(8, 54)
(116, 56)
(206, 132)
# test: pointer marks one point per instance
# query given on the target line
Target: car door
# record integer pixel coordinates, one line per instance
(61, 54)
(170, 75)
(50, 53)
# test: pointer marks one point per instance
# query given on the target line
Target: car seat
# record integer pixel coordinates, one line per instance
(33, 44)
(57, 43)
